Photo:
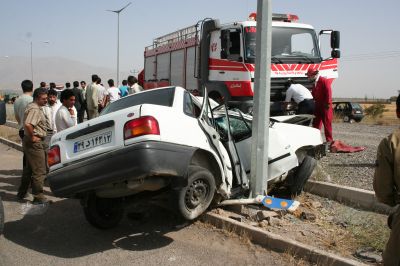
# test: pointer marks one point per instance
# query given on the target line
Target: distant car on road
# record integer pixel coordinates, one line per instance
(348, 111)
(168, 139)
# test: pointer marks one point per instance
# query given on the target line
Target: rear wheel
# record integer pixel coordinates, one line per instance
(297, 181)
(346, 118)
(103, 213)
(197, 196)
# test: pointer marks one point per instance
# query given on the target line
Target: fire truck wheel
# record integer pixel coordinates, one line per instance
(197, 195)
(300, 177)
(103, 213)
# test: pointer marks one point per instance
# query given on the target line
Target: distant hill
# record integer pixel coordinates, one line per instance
(13, 70)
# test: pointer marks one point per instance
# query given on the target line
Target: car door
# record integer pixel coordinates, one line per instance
(207, 125)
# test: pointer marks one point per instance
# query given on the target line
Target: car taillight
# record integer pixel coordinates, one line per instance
(54, 155)
(145, 125)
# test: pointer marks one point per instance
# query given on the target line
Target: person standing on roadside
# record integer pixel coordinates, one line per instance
(387, 189)
(66, 116)
(36, 125)
(101, 95)
(67, 85)
(20, 105)
(92, 98)
(322, 93)
(79, 101)
(83, 87)
(50, 111)
(133, 85)
(112, 93)
(124, 90)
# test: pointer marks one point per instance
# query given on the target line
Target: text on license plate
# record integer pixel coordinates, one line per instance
(92, 142)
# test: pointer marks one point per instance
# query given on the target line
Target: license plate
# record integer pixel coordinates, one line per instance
(92, 142)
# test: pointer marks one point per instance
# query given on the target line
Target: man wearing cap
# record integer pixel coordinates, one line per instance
(387, 189)
(322, 93)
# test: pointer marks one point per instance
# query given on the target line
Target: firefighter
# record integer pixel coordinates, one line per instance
(387, 186)
(322, 93)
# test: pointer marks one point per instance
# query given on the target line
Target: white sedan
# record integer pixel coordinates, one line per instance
(168, 139)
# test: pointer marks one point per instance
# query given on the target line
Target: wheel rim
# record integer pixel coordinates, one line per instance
(197, 194)
(346, 119)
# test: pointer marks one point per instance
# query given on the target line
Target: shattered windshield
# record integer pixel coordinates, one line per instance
(289, 45)
(238, 127)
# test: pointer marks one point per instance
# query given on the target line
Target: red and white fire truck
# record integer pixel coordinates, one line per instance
(222, 58)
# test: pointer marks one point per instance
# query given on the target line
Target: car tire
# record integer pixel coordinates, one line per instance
(346, 119)
(194, 198)
(303, 172)
(1, 217)
(103, 213)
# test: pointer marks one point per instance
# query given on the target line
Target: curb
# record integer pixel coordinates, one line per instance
(359, 198)
(278, 243)
(11, 144)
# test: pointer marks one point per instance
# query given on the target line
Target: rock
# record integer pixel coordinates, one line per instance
(308, 216)
(263, 224)
(368, 254)
(273, 221)
(263, 215)
(316, 204)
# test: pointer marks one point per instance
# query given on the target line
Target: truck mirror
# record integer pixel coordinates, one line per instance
(335, 39)
(3, 114)
(335, 53)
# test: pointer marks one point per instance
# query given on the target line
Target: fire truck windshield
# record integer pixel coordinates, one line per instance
(289, 45)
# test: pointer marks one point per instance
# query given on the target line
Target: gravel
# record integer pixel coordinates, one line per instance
(354, 169)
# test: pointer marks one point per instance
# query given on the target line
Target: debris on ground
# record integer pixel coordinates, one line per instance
(369, 254)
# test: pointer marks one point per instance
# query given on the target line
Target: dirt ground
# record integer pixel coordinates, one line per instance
(322, 223)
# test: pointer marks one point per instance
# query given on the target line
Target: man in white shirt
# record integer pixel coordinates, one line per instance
(302, 96)
(133, 85)
(50, 110)
(66, 116)
(112, 94)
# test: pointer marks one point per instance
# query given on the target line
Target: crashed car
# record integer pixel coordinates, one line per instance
(168, 139)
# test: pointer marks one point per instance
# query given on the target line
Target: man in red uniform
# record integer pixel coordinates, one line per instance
(322, 93)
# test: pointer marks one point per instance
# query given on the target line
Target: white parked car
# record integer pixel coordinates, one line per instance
(164, 139)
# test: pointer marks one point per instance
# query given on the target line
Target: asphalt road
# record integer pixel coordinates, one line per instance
(61, 236)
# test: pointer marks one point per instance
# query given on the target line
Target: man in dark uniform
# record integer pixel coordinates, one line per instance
(387, 188)
(36, 125)
(79, 101)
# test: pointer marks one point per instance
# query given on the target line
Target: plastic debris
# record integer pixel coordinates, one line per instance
(34, 209)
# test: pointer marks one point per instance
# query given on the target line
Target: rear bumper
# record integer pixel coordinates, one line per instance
(132, 162)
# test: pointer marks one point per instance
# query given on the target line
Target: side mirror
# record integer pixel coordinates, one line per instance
(335, 53)
(3, 114)
(335, 39)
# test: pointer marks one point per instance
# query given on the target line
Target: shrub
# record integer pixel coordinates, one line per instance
(375, 110)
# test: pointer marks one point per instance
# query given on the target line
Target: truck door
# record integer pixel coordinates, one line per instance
(231, 53)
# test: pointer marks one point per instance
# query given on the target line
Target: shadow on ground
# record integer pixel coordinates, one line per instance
(63, 231)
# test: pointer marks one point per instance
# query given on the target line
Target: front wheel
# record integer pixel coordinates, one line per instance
(298, 180)
(103, 213)
(197, 196)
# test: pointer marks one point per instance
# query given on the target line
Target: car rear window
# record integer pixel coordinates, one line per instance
(356, 106)
(164, 97)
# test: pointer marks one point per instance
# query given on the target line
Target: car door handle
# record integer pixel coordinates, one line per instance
(222, 72)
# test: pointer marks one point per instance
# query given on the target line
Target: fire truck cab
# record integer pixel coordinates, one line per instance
(222, 58)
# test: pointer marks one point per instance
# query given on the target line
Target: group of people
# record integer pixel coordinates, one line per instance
(40, 114)
(317, 102)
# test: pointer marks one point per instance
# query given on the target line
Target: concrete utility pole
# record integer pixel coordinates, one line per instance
(262, 92)
(117, 12)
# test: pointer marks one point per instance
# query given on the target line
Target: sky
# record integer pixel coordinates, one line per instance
(83, 30)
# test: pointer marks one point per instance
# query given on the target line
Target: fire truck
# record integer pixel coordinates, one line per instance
(222, 59)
